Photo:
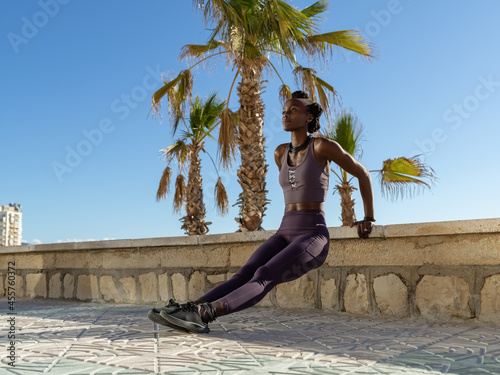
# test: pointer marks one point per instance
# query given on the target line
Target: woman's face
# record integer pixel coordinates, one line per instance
(295, 115)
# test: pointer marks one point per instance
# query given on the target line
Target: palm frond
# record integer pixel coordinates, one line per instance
(164, 186)
(200, 50)
(186, 86)
(283, 28)
(350, 40)
(196, 118)
(180, 193)
(326, 94)
(347, 131)
(315, 9)
(252, 55)
(178, 92)
(160, 93)
(185, 135)
(306, 78)
(175, 108)
(285, 93)
(212, 109)
(318, 89)
(405, 176)
(204, 116)
(218, 11)
(221, 199)
(228, 137)
(178, 150)
(293, 23)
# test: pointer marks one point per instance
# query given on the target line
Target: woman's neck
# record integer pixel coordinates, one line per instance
(298, 138)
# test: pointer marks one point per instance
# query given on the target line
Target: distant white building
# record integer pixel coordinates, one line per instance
(11, 226)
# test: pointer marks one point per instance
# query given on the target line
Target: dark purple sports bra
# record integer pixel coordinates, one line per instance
(306, 182)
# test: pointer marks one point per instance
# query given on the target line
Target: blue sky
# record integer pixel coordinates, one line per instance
(80, 153)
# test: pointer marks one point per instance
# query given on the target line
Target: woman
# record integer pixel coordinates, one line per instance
(302, 241)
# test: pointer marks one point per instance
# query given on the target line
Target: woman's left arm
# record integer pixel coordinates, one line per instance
(330, 150)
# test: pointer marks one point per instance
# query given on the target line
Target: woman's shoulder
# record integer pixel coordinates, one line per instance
(320, 140)
(326, 149)
(319, 143)
(322, 143)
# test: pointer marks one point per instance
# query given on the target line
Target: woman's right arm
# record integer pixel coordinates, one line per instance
(278, 155)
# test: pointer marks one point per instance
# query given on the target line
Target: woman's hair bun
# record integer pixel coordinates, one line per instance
(313, 108)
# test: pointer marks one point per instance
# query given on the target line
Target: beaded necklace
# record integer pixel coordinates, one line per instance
(300, 147)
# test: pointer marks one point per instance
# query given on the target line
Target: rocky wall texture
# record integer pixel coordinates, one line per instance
(436, 271)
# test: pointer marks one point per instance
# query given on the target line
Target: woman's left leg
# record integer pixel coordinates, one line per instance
(274, 244)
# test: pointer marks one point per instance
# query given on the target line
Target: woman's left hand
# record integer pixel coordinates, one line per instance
(364, 228)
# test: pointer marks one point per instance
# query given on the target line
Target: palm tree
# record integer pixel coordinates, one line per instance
(186, 150)
(248, 33)
(399, 177)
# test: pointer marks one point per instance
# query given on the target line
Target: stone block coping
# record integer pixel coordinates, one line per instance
(443, 228)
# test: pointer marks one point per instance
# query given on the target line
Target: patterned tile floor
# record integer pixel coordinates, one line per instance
(58, 337)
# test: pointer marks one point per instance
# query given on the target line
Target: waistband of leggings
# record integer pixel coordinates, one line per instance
(304, 212)
(305, 218)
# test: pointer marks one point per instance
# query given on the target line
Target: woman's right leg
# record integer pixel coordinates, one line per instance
(261, 256)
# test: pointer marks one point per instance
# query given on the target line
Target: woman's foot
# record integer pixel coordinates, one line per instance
(191, 317)
(155, 316)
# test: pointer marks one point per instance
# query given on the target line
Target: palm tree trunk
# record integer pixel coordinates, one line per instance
(347, 203)
(252, 173)
(194, 221)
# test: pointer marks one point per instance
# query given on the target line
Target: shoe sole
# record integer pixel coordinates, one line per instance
(182, 324)
(157, 318)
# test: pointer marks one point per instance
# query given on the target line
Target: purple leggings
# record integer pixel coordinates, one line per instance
(300, 245)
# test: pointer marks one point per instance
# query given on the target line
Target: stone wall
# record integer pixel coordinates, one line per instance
(438, 271)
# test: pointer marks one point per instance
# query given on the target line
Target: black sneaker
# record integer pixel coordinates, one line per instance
(154, 314)
(186, 318)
